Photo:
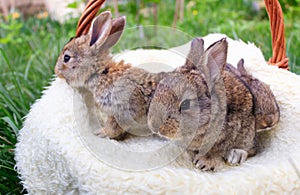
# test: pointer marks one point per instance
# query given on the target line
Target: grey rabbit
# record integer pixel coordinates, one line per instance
(188, 104)
(266, 109)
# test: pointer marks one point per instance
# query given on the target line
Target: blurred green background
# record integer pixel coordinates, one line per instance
(29, 48)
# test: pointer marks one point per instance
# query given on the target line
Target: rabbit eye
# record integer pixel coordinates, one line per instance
(185, 105)
(67, 58)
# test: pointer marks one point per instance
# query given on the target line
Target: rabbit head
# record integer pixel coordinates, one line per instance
(266, 111)
(181, 104)
(86, 55)
(175, 107)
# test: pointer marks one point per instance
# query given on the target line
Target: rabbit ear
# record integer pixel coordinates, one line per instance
(101, 28)
(118, 25)
(216, 58)
(232, 69)
(195, 53)
(241, 67)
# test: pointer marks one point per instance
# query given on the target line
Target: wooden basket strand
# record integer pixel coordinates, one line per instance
(277, 31)
(273, 9)
(89, 13)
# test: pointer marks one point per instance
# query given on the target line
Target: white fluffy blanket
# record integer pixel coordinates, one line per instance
(58, 154)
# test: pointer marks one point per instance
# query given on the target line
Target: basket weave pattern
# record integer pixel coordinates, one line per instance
(277, 30)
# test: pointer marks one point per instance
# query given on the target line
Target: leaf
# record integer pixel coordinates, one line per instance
(73, 5)
(14, 79)
(152, 1)
(11, 124)
(6, 39)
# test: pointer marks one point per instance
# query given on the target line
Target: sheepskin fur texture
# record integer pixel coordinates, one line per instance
(57, 153)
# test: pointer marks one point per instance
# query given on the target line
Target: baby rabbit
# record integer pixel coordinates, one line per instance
(266, 109)
(121, 91)
(207, 106)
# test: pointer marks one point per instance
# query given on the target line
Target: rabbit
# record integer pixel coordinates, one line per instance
(266, 109)
(207, 109)
(121, 91)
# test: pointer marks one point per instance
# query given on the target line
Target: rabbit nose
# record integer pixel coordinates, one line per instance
(155, 123)
(269, 120)
(58, 69)
(58, 73)
(156, 116)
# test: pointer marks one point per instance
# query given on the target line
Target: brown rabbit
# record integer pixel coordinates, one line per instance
(266, 109)
(121, 91)
(211, 109)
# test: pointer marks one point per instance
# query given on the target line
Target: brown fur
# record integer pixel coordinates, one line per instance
(212, 91)
(120, 90)
(266, 109)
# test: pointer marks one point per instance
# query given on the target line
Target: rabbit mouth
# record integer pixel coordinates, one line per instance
(171, 133)
(59, 74)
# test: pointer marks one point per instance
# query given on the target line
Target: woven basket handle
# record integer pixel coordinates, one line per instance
(276, 23)
(277, 31)
(86, 18)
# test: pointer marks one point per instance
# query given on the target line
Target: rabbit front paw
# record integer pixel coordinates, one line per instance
(236, 156)
(206, 163)
(110, 133)
(111, 130)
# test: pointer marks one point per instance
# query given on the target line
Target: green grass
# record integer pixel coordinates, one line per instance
(27, 63)
(29, 48)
